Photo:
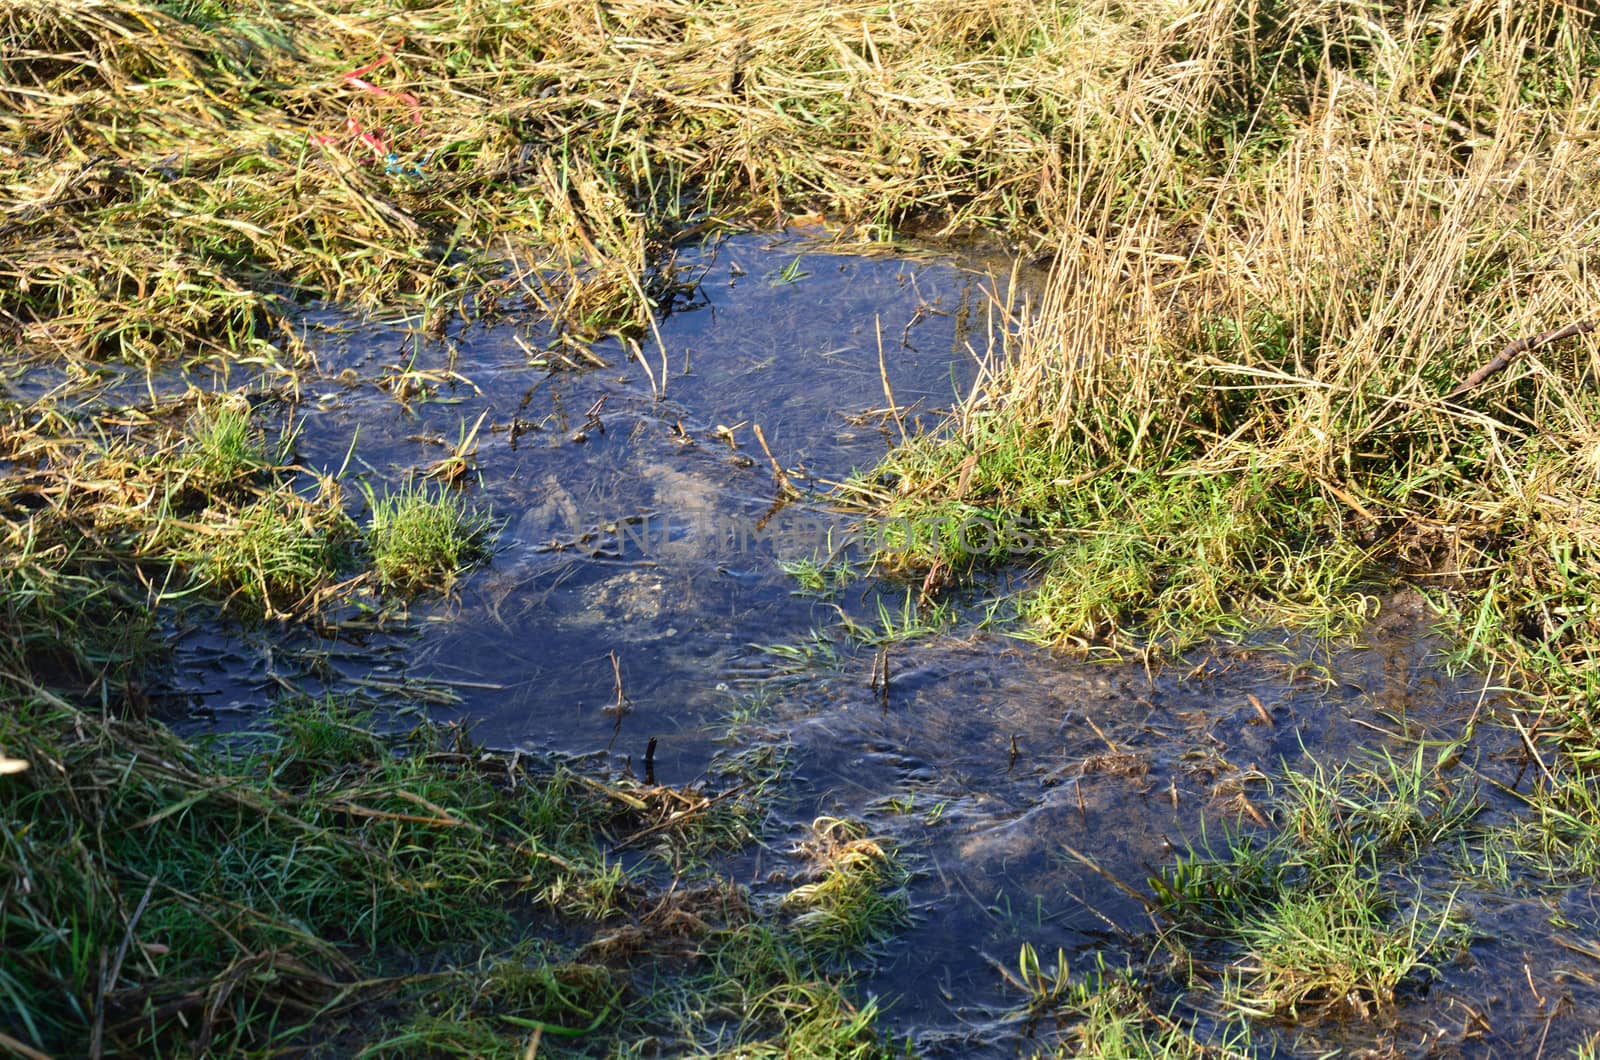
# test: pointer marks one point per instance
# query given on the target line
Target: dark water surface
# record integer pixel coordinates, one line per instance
(648, 533)
(655, 535)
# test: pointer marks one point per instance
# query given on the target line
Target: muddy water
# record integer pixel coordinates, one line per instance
(642, 542)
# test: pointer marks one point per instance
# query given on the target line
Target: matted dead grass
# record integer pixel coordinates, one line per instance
(177, 174)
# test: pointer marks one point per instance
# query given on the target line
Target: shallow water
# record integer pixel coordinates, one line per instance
(996, 766)
(651, 530)
(642, 539)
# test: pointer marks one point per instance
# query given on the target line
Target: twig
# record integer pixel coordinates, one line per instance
(786, 488)
(1505, 356)
(638, 355)
(1527, 741)
(623, 706)
(108, 982)
(883, 375)
(1528, 972)
(883, 688)
(591, 419)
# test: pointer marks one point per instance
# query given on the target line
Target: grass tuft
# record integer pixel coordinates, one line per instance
(224, 446)
(272, 555)
(234, 887)
(1316, 914)
(424, 538)
(858, 897)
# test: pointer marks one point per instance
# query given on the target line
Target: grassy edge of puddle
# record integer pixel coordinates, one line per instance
(315, 881)
(1277, 363)
(1345, 363)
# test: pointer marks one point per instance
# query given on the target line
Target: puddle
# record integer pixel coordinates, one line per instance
(1002, 769)
(642, 542)
(648, 528)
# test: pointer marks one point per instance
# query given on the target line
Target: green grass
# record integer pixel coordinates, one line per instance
(1112, 1014)
(1334, 936)
(270, 556)
(794, 1009)
(1333, 909)
(492, 1010)
(1559, 837)
(279, 888)
(264, 869)
(424, 537)
(818, 576)
(858, 897)
(1327, 909)
(225, 447)
(1157, 557)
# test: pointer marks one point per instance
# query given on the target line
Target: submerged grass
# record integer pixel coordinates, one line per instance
(857, 898)
(1317, 914)
(1337, 908)
(1113, 1014)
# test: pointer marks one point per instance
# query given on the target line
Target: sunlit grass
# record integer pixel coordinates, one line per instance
(424, 537)
(273, 553)
(857, 898)
(225, 446)
(1283, 234)
(242, 852)
(1320, 912)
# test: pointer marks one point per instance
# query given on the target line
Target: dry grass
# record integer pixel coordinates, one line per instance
(1296, 228)
(1283, 232)
(176, 172)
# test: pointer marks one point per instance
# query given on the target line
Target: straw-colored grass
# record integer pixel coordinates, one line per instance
(1298, 231)
(179, 171)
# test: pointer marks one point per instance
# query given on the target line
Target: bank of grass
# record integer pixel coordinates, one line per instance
(1285, 236)
(183, 174)
(162, 894)
(172, 499)
(317, 885)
